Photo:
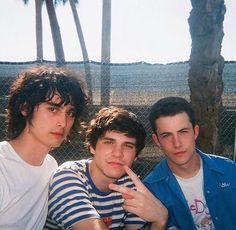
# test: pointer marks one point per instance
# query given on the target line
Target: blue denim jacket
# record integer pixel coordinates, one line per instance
(219, 175)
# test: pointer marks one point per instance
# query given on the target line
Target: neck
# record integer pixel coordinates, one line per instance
(189, 169)
(31, 154)
(99, 179)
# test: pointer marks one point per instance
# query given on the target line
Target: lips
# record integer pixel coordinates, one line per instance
(179, 153)
(57, 134)
(115, 164)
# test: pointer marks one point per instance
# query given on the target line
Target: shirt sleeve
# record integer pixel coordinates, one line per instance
(69, 199)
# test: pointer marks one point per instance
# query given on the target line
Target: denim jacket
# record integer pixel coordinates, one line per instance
(219, 175)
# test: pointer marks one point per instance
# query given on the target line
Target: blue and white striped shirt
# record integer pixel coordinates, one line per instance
(73, 197)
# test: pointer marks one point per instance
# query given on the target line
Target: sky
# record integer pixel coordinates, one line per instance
(153, 31)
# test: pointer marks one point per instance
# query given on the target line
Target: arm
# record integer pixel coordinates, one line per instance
(90, 224)
(142, 202)
(69, 203)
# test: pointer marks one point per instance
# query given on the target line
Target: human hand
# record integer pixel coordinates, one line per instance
(142, 202)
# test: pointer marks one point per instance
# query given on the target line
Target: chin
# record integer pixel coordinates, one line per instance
(53, 146)
(115, 176)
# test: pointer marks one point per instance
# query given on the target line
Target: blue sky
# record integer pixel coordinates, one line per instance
(155, 31)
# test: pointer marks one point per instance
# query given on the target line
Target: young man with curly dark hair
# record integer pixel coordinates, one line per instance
(44, 104)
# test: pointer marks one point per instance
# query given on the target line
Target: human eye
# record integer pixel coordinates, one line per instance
(71, 113)
(184, 131)
(129, 146)
(107, 142)
(165, 135)
(52, 108)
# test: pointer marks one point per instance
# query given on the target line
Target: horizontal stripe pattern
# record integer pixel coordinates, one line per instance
(74, 197)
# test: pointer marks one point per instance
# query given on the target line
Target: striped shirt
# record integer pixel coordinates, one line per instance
(73, 197)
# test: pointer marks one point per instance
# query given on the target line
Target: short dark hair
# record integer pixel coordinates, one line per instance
(115, 119)
(37, 85)
(170, 106)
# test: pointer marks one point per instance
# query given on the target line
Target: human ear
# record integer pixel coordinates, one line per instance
(92, 150)
(24, 110)
(155, 139)
(196, 131)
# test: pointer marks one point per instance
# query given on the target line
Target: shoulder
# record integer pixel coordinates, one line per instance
(73, 167)
(3, 143)
(5, 149)
(51, 161)
(68, 180)
(216, 159)
(218, 163)
(158, 173)
(70, 171)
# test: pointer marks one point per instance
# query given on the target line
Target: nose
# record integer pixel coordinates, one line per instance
(62, 120)
(117, 150)
(176, 141)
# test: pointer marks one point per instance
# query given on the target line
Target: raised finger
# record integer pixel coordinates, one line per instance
(127, 192)
(139, 185)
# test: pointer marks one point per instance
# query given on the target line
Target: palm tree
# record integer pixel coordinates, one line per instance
(83, 47)
(39, 29)
(56, 34)
(106, 47)
(206, 67)
(55, 29)
(82, 43)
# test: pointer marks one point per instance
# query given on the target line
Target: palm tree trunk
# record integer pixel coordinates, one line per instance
(56, 34)
(106, 47)
(83, 48)
(39, 30)
(206, 67)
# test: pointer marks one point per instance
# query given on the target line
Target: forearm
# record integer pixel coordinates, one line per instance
(158, 225)
(91, 224)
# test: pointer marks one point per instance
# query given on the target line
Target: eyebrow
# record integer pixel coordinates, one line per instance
(53, 103)
(59, 104)
(113, 139)
(166, 132)
(184, 129)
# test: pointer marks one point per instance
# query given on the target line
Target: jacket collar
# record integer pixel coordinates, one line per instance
(210, 162)
(163, 172)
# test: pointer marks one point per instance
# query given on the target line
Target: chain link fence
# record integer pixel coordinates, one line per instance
(135, 86)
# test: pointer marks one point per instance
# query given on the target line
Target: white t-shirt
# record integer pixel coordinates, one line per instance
(23, 190)
(193, 192)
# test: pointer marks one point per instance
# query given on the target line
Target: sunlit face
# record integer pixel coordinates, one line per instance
(111, 153)
(50, 124)
(176, 137)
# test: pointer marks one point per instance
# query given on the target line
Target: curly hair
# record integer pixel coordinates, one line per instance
(115, 119)
(37, 85)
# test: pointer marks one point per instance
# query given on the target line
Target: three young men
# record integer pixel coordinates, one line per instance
(44, 104)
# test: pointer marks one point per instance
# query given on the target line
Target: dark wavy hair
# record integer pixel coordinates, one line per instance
(37, 85)
(115, 119)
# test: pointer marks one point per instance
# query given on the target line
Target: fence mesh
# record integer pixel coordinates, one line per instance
(136, 87)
